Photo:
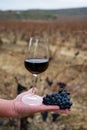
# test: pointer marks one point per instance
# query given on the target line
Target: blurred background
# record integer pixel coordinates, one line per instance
(64, 23)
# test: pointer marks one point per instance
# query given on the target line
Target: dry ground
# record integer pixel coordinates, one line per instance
(68, 50)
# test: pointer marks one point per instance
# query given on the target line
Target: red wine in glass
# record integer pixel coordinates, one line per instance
(35, 65)
(36, 62)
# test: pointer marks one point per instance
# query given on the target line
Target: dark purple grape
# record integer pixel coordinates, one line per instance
(61, 99)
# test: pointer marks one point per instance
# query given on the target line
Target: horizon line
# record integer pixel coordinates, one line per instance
(41, 9)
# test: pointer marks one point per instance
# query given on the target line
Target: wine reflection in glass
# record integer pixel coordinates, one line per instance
(36, 62)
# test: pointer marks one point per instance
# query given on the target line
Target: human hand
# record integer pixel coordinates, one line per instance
(21, 109)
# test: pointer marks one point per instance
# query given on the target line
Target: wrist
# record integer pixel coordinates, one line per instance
(13, 111)
(7, 108)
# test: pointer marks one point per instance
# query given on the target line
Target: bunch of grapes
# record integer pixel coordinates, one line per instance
(60, 98)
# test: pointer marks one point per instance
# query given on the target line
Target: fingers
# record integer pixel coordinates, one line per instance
(66, 111)
(52, 108)
(32, 91)
(48, 108)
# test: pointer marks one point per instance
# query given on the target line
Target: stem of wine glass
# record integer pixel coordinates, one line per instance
(35, 81)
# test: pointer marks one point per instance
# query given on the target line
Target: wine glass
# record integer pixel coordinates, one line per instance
(36, 62)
